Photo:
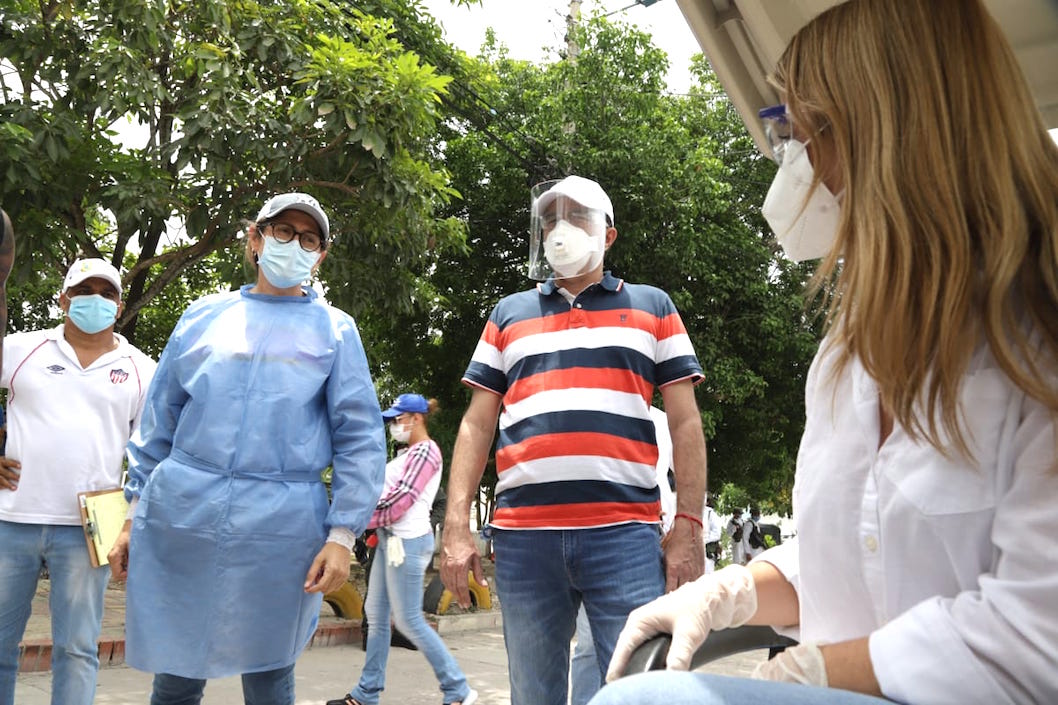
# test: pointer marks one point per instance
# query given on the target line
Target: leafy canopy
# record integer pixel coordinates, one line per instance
(145, 131)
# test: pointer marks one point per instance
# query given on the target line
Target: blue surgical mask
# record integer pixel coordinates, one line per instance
(285, 264)
(92, 313)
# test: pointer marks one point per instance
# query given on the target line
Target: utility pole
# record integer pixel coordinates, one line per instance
(572, 49)
(572, 19)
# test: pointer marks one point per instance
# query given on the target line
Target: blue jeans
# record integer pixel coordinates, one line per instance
(584, 674)
(682, 688)
(274, 687)
(76, 604)
(543, 576)
(398, 589)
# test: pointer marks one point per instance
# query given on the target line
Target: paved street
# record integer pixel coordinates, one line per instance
(328, 672)
(325, 671)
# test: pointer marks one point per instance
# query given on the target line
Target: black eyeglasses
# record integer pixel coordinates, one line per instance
(310, 240)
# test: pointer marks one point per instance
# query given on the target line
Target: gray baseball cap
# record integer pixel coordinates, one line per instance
(299, 202)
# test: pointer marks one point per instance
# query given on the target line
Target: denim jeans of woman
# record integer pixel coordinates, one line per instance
(543, 576)
(75, 600)
(682, 688)
(274, 687)
(397, 591)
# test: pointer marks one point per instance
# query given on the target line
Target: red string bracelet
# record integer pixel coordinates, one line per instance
(689, 517)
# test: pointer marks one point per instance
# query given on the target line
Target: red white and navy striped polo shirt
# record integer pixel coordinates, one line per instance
(576, 445)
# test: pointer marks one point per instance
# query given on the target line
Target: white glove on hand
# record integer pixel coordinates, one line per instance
(394, 550)
(802, 664)
(726, 598)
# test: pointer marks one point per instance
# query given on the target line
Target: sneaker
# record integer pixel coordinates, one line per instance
(347, 700)
(471, 698)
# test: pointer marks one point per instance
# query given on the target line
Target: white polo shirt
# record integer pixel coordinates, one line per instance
(67, 425)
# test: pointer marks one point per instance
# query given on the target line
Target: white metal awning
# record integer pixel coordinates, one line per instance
(743, 39)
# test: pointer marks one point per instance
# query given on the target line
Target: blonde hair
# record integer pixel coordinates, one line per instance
(949, 230)
(432, 406)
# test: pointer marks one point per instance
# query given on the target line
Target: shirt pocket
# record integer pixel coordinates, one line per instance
(937, 485)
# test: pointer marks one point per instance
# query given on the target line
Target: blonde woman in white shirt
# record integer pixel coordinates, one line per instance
(925, 571)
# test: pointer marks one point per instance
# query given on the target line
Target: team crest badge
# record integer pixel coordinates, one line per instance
(118, 376)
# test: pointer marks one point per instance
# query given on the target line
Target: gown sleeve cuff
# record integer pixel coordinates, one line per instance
(343, 537)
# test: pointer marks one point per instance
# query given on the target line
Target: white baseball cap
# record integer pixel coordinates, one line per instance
(87, 268)
(299, 202)
(586, 192)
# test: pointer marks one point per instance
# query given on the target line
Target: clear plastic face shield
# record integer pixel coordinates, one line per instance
(566, 238)
(778, 128)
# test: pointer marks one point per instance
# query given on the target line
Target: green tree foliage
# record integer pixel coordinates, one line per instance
(144, 131)
(687, 185)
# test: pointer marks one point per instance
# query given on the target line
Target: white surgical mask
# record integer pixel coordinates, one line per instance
(571, 250)
(400, 432)
(808, 232)
(285, 264)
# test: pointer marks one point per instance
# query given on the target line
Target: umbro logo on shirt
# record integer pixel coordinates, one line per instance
(56, 369)
(118, 376)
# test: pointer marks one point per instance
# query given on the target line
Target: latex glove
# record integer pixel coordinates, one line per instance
(726, 598)
(394, 550)
(802, 664)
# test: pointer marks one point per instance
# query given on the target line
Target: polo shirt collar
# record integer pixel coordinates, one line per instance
(608, 282)
(58, 333)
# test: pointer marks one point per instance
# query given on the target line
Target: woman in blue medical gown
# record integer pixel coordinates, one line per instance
(232, 541)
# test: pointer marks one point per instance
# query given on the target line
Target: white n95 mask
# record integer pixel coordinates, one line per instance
(571, 250)
(400, 432)
(806, 226)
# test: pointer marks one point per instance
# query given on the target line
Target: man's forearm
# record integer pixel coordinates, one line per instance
(468, 466)
(688, 447)
(689, 467)
(689, 464)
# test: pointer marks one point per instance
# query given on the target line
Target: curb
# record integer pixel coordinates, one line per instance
(35, 656)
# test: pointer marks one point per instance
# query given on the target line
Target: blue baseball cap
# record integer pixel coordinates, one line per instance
(407, 404)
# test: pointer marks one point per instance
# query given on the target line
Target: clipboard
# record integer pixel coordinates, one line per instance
(102, 516)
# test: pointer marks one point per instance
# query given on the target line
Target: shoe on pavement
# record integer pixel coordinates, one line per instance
(347, 700)
(470, 699)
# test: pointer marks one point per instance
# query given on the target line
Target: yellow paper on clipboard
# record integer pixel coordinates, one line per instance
(102, 515)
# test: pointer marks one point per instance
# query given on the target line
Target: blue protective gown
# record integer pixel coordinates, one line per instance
(254, 395)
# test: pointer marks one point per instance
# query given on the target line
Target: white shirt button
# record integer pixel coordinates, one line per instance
(871, 544)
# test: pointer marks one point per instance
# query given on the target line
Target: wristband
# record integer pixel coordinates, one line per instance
(689, 517)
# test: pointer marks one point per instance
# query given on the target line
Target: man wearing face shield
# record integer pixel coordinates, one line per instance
(573, 365)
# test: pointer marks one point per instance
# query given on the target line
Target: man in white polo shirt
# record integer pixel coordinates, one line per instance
(75, 393)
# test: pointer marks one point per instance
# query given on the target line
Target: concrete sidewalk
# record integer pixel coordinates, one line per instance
(324, 674)
(321, 674)
(36, 642)
(326, 670)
